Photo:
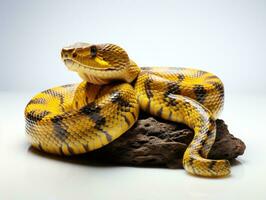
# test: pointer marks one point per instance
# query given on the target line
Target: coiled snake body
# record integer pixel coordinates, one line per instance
(78, 118)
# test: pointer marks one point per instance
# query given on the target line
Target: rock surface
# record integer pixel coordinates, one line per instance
(155, 142)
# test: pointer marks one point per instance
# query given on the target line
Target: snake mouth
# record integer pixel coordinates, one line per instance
(71, 65)
(77, 67)
(91, 74)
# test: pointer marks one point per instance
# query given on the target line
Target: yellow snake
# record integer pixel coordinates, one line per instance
(78, 118)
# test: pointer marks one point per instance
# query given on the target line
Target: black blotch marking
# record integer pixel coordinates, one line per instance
(187, 104)
(191, 161)
(61, 150)
(200, 93)
(209, 133)
(71, 151)
(32, 116)
(126, 119)
(219, 87)
(86, 147)
(40, 147)
(123, 105)
(202, 142)
(200, 152)
(170, 115)
(148, 109)
(212, 123)
(147, 85)
(211, 165)
(172, 89)
(86, 99)
(117, 98)
(181, 77)
(93, 112)
(58, 128)
(170, 101)
(37, 101)
(188, 113)
(159, 112)
(55, 94)
(134, 116)
(107, 135)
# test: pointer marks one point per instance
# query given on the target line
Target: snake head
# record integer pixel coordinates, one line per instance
(99, 63)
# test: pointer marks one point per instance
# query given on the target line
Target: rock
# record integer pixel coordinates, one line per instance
(156, 142)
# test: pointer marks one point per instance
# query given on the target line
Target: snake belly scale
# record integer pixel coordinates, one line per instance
(78, 118)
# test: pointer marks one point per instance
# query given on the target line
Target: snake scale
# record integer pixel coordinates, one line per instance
(78, 118)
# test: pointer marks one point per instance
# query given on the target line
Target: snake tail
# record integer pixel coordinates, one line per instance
(195, 157)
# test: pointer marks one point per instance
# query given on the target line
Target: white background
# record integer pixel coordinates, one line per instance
(223, 37)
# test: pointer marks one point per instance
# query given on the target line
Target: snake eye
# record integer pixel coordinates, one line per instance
(74, 55)
(93, 51)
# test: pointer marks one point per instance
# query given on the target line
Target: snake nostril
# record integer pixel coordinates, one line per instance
(64, 54)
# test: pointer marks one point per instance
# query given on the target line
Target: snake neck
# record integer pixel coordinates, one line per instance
(128, 74)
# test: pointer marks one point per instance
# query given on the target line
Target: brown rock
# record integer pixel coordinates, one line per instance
(155, 142)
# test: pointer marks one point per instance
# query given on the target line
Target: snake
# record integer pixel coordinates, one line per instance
(82, 117)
